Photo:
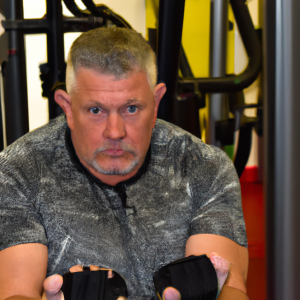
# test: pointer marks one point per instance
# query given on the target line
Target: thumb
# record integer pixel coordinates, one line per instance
(171, 294)
(52, 286)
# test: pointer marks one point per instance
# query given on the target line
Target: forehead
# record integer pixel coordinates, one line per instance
(91, 81)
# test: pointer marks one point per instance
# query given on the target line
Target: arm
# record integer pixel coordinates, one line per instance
(235, 254)
(23, 271)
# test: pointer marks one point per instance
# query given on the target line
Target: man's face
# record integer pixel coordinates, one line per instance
(111, 121)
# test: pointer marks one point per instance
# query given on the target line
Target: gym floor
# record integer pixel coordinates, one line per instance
(253, 206)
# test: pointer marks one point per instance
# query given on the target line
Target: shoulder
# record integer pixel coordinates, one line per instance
(24, 157)
(45, 138)
(183, 144)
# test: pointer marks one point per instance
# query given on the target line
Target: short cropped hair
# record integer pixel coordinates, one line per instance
(112, 51)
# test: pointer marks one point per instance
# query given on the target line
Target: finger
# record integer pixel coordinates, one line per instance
(110, 271)
(94, 268)
(221, 266)
(110, 274)
(77, 268)
(171, 294)
(52, 286)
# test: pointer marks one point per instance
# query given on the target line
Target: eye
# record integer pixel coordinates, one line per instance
(95, 110)
(131, 109)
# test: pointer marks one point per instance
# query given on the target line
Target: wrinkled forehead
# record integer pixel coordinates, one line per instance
(95, 84)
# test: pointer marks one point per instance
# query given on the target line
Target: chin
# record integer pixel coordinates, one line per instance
(111, 167)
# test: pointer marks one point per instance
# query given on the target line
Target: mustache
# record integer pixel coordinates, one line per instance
(116, 146)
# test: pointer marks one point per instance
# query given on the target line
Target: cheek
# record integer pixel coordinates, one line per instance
(139, 133)
(87, 133)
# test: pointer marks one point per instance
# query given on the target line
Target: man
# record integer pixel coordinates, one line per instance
(108, 185)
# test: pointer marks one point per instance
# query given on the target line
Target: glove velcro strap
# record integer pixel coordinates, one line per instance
(93, 285)
(194, 277)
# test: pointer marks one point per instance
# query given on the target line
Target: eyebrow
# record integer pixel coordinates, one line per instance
(132, 101)
(97, 103)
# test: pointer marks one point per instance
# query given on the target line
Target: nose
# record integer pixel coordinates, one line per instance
(115, 127)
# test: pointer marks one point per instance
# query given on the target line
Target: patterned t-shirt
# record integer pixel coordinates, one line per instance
(184, 187)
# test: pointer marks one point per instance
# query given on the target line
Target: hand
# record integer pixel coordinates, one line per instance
(221, 266)
(53, 284)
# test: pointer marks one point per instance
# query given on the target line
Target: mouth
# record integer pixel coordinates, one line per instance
(114, 152)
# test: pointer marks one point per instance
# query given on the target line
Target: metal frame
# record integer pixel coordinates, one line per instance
(169, 43)
(253, 49)
(170, 23)
(217, 104)
(14, 81)
(282, 89)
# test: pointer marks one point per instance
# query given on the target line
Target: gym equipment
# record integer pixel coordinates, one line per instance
(54, 24)
(3, 59)
(184, 96)
(14, 79)
(169, 42)
(93, 285)
(221, 128)
(282, 144)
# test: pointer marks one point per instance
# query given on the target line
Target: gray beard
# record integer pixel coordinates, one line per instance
(113, 171)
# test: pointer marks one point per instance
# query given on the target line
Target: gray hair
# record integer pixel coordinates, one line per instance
(112, 51)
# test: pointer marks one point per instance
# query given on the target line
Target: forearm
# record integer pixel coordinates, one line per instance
(230, 293)
(18, 297)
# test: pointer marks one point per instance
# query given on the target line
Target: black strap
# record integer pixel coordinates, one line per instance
(93, 285)
(194, 277)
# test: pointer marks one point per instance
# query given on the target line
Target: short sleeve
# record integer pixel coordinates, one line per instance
(20, 221)
(217, 207)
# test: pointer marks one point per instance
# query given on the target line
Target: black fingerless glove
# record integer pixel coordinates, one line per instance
(194, 277)
(93, 285)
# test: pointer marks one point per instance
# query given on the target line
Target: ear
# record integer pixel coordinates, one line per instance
(159, 91)
(63, 99)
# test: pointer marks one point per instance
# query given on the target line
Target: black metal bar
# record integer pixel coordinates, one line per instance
(74, 9)
(27, 26)
(35, 26)
(15, 83)
(90, 5)
(244, 148)
(105, 12)
(253, 49)
(55, 48)
(82, 24)
(269, 39)
(2, 115)
(169, 41)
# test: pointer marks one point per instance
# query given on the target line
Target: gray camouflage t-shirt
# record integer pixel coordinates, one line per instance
(185, 187)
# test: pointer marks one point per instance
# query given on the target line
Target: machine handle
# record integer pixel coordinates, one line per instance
(75, 10)
(105, 12)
